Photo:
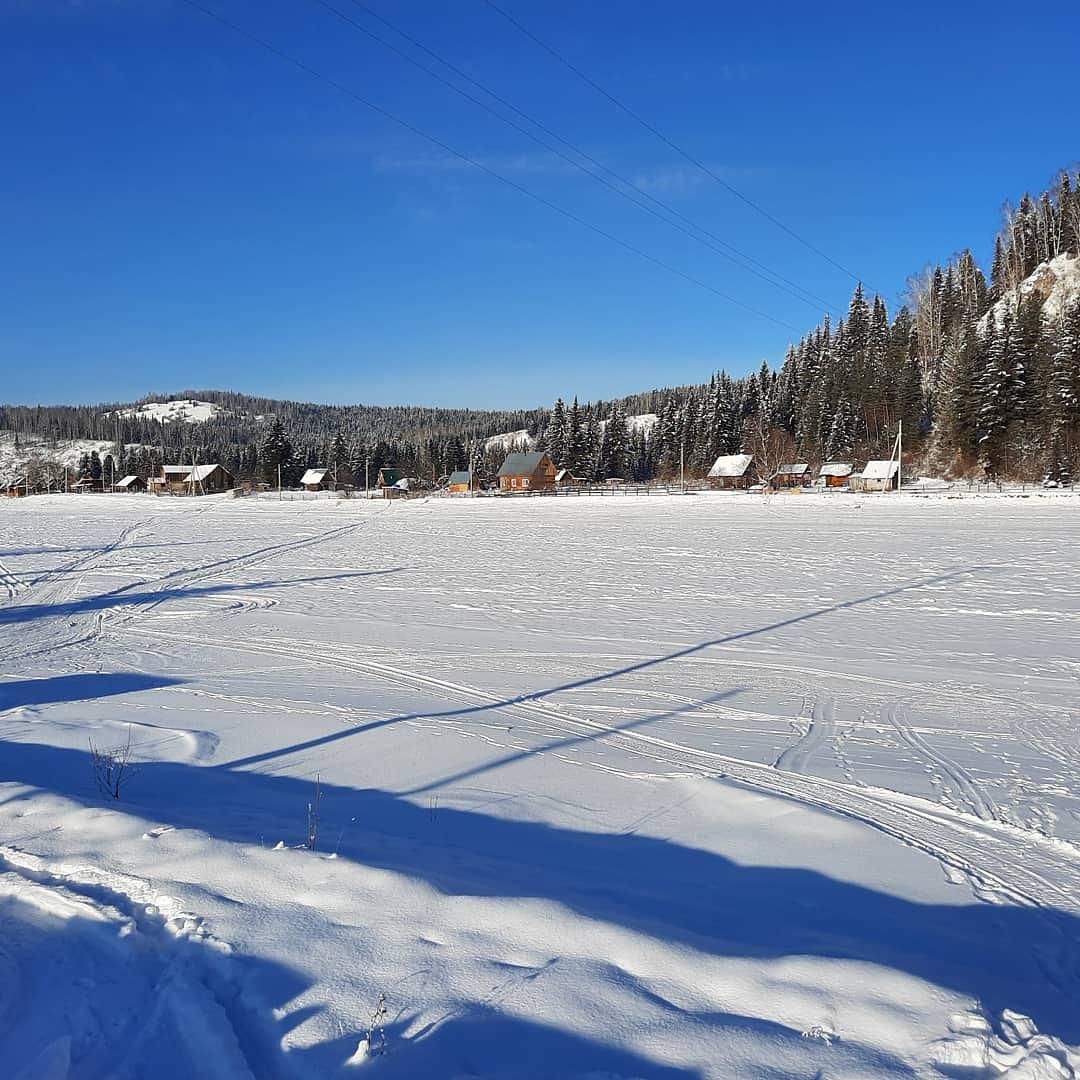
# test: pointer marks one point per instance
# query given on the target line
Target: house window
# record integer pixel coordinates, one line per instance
(513, 482)
(524, 483)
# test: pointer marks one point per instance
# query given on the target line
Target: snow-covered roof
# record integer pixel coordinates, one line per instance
(836, 468)
(880, 470)
(794, 470)
(731, 465)
(313, 476)
(188, 473)
(126, 482)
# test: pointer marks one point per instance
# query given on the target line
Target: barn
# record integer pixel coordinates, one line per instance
(877, 476)
(460, 482)
(792, 475)
(731, 471)
(835, 473)
(532, 471)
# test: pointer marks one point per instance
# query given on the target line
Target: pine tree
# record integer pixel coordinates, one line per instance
(616, 454)
(993, 397)
(556, 433)
(277, 451)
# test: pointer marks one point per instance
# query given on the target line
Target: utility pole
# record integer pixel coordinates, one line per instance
(682, 463)
(279, 481)
(899, 455)
(367, 471)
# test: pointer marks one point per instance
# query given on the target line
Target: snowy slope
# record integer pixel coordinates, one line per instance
(171, 412)
(510, 440)
(582, 814)
(67, 452)
(1056, 283)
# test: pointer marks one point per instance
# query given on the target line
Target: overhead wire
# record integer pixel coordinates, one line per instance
(732, 253)
(695, 161)
(481, 166)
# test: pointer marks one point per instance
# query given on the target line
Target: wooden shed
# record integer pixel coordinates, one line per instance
(835, 473)
(791, 476)
(565, 478)
(316, 480)
(532, 471)
(130, 484)
(732, 471)
(877, 476)
(460, 482)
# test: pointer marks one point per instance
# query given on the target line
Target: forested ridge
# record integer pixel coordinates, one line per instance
(983, 370)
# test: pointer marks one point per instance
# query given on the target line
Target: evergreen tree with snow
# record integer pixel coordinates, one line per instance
(616, 452)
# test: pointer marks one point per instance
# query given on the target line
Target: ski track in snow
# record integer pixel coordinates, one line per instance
(976, 841)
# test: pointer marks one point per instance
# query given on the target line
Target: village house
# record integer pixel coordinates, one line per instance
(460, 482)
(532, 471)
(565, 478)
(130, 484)
(731, 471)
(877, 476)
(790, 476)
(388, 478)
(191, 480)
(315, 480)
(835, 474)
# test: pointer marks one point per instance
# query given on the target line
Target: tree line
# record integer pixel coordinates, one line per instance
(983, 374)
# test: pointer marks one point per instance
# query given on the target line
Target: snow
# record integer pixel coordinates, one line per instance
(188, 411)
(313, 476)
(731, 465)
(606, 789)
(510, 440)
(1056, 282)
(880, 470)
(836, 468)
(66, 452)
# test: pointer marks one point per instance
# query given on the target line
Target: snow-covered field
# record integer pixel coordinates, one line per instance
(675, 787)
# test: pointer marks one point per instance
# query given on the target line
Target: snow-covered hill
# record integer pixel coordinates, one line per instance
(510, 440)
(13, 459)
(173, 412)
(1056, 283)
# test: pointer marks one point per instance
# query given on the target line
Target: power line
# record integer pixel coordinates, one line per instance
(447, 148)
(766, 273)
(669, 142)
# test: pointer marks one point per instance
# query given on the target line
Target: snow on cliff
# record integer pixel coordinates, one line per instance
(1056, 282)
(66, 452)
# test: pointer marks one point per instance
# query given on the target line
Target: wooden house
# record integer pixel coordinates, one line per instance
(877, 476)
(389, 478)
(835, 474)
(316, 480)
(732, 471)
(532, 471)
(191, 480)
(87, 484)
(130, 484)
(17, 488)
(565, 478)
(460, 482)
(790, 476)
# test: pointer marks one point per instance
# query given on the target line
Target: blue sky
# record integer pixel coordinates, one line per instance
(180, 208)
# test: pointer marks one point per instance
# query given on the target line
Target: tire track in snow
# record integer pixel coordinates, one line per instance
(821, 731)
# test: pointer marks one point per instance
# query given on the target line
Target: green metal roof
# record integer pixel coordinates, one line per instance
(522, 464)
(390, 476)
(462, 476)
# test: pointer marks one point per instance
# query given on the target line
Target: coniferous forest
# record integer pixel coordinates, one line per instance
(982, 369)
